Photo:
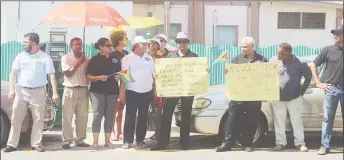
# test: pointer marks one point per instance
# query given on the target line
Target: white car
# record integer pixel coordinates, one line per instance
(209, 112)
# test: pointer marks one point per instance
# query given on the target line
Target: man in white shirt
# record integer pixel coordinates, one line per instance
(138, 94)
(75, 95)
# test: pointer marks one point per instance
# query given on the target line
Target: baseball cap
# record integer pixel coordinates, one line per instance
(139, 39)
(161, 36)
(338, 31)
(182, 35)
(157, 40)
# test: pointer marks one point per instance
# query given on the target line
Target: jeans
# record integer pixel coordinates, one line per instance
(330, 104)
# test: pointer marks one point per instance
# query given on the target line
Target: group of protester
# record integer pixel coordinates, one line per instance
(98, 79)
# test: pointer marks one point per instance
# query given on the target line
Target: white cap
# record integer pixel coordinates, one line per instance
(161, 36)
(157, 40)
(182, 35)
(139, 39)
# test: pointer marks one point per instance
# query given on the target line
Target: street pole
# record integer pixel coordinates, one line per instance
(167, 5)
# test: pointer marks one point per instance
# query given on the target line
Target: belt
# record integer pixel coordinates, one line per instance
(31, 87)
(77, 87)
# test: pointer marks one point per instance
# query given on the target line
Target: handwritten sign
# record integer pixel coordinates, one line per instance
(253, 81)
(178, 77)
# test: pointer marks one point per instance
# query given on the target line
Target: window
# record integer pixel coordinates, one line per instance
(226, 35)
(289, 20)
(154, 30)
(174, 29)
(300, 20)
(313, 20)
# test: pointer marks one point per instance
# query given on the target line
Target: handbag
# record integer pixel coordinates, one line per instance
(151, 119)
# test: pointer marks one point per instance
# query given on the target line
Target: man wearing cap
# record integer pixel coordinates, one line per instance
(163, 44)
(331, 83)
(170, 103)
(138, 94)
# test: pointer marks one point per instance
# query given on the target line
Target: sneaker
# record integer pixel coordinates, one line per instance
(279, 147)
(248, 149)
(126, 145)
(302, 148)
(39, 148)
(323, 151)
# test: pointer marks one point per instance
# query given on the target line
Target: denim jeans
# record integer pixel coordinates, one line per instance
(330, 104)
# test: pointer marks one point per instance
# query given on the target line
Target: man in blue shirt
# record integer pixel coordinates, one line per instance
(33, 65)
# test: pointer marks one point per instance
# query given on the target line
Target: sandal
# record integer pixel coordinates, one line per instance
(95, 146)
(109, 145)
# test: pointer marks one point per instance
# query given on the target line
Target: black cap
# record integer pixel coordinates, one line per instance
(338, 31)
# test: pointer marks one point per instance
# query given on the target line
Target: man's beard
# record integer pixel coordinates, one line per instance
(28, 49)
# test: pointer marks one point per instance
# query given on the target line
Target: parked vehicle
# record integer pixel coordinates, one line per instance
(6, 112)
(209, 111)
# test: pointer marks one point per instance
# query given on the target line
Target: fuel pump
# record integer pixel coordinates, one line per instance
(57, 49)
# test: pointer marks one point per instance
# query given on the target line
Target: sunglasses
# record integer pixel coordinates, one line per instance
(182, 41)
(108, 45)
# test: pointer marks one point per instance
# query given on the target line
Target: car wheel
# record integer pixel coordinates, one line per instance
(5, 129)
(260, 132)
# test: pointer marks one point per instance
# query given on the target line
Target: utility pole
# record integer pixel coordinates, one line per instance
(167, 5)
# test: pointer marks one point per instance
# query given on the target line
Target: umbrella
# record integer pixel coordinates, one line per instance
(84, 14)
(139, 22)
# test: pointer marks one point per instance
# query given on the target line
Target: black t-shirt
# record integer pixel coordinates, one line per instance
(121, 54)
(240, 59)
(332, 57)
(100, 65)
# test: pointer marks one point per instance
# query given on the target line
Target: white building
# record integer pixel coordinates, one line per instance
(269, 22)
(31, 13)
(207, 22)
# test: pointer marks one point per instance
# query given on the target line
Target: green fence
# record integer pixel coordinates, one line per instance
(10, 49)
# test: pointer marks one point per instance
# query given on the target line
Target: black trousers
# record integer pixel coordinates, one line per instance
(136, 103)
(168, 110)
(243, 119)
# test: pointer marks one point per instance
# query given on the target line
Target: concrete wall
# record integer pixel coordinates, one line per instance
(32, 12)
(270, 35)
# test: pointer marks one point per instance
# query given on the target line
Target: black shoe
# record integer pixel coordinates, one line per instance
(223, 148)
(126, 145)
(141, 144)
(83, 144)
(39, 149)
(66, 146)
(9, 149)
(157, 147)
(248, 149)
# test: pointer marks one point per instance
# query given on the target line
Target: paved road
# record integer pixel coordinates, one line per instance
(201, 148)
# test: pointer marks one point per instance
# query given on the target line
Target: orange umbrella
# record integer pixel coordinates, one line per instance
(85, 14)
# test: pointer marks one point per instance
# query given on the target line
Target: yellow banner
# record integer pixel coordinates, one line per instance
(178, 77)
(253, 82)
